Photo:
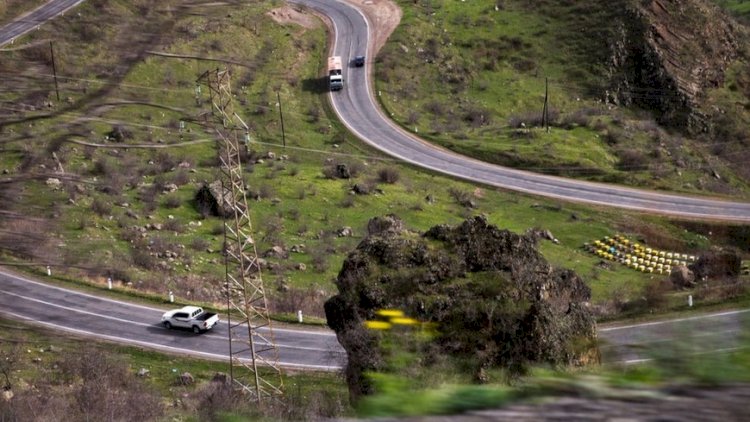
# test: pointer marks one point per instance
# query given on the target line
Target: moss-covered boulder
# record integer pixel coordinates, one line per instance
(496, 301)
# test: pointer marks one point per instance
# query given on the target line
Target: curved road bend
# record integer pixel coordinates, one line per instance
(89, 315)
(75, 312)
(34, 18)
(86, 315)
(356, 107)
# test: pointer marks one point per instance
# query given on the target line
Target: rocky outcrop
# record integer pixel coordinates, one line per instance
(666, 53)
(495, 300)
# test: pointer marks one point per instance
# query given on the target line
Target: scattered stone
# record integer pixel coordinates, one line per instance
(297, 248)
(360, 189)
(300, 267)
(345, 232)
(7, 395)
(390, 224)
(54, 183)
(169, 188)
(430, 199)
(186, 378)
(276, 252)
(183, 165)
(143, 372)
(681, 277)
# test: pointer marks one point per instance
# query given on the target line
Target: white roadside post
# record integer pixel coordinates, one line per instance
(690, 301)
(171, 297)
(109, 282)
(49, 270)
(299, 316)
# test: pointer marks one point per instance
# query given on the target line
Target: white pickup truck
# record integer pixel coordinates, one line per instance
(191, 317)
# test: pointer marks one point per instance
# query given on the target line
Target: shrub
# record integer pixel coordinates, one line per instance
(181, 177)
(347, 201)
(142, 258)
(319, 260)
(174, 225)
(172, 201)
(632, 160)
(199, 244)
(461, 197)
(101, 207)
(388, 175)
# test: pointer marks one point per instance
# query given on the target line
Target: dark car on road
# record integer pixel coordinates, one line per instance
(359, 61)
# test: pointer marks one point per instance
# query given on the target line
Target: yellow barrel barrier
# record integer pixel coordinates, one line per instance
(636, 256)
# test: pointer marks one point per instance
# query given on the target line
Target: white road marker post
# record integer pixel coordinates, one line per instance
(299, 316)
(171, 297)
(690, 301)
(49, 270)
(109, 282)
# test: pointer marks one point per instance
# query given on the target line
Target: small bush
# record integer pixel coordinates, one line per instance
(172, 201)
(217, 230)
(347, 202)
(181, 177)
(174, 225)
(461, 197)
(101, 207)
(199, 244)
(388, 175)
(632, 160)
(142, 258)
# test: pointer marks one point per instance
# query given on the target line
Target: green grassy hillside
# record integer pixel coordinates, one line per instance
(101, 183)
(471, 77)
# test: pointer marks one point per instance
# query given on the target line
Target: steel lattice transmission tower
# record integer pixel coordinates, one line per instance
(251, 341)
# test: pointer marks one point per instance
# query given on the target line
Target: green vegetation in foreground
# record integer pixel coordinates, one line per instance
(689, 363)
(471, 77)
(128, 213)
(42, 358)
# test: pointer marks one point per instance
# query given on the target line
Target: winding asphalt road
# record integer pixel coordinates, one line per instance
(89, 315)
(357, 109)
(35, 18)
(82, 314)
(22, 298)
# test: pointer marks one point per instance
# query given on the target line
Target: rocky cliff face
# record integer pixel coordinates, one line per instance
(495, 300)
(666, 53)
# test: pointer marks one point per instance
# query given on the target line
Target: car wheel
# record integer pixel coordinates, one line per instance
(196, 329)
(167, 325)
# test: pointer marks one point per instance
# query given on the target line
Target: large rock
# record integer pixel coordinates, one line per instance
(212, 200)
(681, 277)
(495, 300)
(678, 48)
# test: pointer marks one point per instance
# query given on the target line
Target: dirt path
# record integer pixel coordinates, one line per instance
(383, 15)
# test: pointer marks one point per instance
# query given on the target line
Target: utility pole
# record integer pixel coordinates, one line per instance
(251, 341)
(281, 116)
(54, 70)
(545, 111)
